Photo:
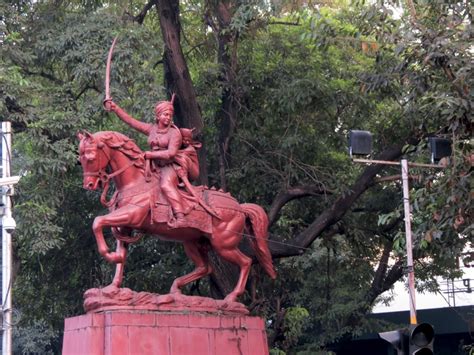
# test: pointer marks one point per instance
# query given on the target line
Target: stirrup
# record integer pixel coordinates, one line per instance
(177, 222)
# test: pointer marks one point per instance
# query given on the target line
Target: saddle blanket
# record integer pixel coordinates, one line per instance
(197, 218)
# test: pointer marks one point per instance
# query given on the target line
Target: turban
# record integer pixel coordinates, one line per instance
(164, 106)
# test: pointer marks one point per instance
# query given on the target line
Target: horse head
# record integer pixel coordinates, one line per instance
(94, 159)
(100, 149)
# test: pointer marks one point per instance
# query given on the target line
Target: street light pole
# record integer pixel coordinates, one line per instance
(409, 242)
(418, 338)
(408, 235)
(6, 244)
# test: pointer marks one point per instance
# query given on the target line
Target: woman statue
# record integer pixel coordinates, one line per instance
(165, 140)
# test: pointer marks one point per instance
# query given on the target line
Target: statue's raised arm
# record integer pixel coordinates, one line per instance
(142, 127)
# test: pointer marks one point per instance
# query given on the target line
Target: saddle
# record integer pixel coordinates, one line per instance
(195, 215)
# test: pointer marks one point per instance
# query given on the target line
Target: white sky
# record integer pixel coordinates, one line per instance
(431, 300)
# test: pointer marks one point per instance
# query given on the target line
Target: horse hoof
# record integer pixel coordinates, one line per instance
(175, 290)
(110, 290)
(230, 298)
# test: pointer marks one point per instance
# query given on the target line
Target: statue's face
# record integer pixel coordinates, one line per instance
(187, 140)
(165, 117)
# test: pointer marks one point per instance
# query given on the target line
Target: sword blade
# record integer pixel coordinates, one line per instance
(107, 70)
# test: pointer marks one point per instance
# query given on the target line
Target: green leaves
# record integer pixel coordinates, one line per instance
(38, 238)
(302, 80)
(387, 218)
(34, 339)
(295, 321)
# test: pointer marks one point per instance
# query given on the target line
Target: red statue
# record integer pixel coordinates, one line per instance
(139, 203)
(154, 196)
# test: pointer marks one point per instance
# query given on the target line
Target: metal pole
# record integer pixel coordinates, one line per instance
(409, 242)
(6, 246)
(388, 162)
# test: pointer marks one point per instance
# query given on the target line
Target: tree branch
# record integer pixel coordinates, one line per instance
(87, 87)
(141, 16)
(379, 278)
(338, 209)
(44, 75)
(290, 194)
(297, 23)
(178, 79)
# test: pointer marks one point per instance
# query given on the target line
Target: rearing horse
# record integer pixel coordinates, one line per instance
(130, 209)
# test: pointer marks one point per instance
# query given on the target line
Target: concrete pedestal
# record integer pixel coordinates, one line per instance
(164, 333)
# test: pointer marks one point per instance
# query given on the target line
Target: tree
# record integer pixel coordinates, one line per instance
(276, 92)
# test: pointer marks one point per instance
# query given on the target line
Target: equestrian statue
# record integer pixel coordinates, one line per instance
(154, 196)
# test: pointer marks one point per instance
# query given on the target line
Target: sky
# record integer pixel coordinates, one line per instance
(433, 300)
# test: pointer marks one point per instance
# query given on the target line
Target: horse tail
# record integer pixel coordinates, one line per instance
(259, 227)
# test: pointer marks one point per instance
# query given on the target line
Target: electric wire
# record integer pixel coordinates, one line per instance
(459, 314)
(270, 235)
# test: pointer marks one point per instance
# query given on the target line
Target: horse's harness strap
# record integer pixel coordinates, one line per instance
(105, 178)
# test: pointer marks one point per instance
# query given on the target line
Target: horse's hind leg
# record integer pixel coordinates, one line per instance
(226, 244)
(198, 254)
(235, 256)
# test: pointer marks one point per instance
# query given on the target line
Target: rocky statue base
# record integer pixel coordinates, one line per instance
(111, 297)
(182, 325)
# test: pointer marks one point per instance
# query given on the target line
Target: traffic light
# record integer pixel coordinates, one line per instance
(421, 338)
(417, 339)
(397, 339)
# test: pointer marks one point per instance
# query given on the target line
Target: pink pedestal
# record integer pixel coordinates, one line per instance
(164, 333)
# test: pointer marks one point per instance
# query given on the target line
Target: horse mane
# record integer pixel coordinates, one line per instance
(122, 143)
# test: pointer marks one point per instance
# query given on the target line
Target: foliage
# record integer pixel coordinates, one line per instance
(433, 70)
(327, 298)
(302, 79)
(34, 339)
(295, 319)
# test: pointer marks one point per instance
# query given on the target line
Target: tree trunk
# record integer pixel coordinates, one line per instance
(177, 77)
(226, 116)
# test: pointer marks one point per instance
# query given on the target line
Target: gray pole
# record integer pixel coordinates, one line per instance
(6, 246)
(409, 242)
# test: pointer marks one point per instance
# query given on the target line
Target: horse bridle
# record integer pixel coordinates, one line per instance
(104, 178)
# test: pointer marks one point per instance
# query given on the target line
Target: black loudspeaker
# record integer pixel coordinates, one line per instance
(360, 142)
(440, 148)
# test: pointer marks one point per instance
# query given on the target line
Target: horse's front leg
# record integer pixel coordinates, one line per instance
(119, 268)
(120, 217)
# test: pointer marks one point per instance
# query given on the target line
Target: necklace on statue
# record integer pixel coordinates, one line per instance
(162, 130)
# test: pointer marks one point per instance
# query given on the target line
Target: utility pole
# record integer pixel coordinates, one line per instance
(8, 226)
(417, 338)
(407, 214)
(409, 242)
